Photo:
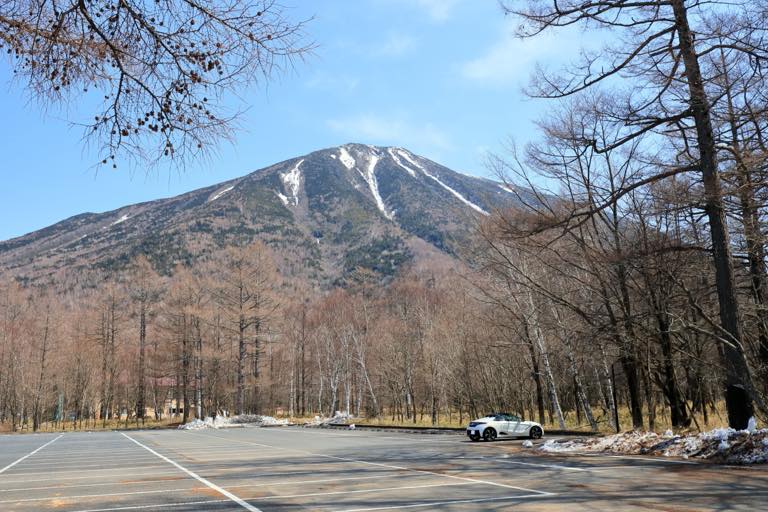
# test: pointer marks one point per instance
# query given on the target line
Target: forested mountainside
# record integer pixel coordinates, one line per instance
(324, 214)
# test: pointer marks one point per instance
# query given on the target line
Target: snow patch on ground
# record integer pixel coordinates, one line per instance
(346, 158)
(338, 417)
(721, 445)
(441, 183)
(220, 193)
(292, 181)
(527, 444)
(122, 219)
(370, 177)
(224, 422)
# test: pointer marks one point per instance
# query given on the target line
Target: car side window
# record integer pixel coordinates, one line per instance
(512, 418)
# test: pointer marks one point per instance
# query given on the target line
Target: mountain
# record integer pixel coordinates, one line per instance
(325, 214)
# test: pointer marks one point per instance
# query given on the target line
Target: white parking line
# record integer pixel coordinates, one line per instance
(241, 486)
(414, 505)
(67, 465)
(197, 477)
(77, 486)
(44, 471)
(66, 457)
(451, 502)
(359, 491)
(90, 477)
(637, 457)
(145, 507)
(84, 496)
(262, 498)
(9, 466)
(514, 461)
(369, 435)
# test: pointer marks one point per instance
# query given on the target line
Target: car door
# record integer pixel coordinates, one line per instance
(515, 426)
(500, 423)
(508, 426)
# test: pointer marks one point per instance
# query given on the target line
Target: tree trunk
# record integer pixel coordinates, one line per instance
(536, 374)
(41, 380)
(539, 339)
(198, 370)
(739, 391)
(241, 357)
(141, 406)
(753, 236)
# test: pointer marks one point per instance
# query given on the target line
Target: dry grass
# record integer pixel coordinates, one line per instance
(605, 423)
(93, 426)
(717, 418)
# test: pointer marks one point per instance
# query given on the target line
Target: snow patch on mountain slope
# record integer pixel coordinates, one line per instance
(393, 154)
(122, 219)
(370, 177)
(346, 158)
(283, 198)
(291, 181)
(440, 182)
(220, 193)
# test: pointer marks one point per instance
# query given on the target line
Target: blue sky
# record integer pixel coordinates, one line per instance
(440, 77)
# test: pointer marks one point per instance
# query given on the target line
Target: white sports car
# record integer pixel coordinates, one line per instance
(502, 424)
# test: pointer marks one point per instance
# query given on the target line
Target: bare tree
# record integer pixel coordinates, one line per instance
(245, 284)
(144, 291)
(661, 46)
(163, 70)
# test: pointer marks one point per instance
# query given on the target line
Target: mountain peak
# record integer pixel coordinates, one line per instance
(325, 214)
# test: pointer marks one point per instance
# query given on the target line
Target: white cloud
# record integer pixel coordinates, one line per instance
(368, 128)
(327, 81)
(438, 10)
(396, 44)
(511, 60)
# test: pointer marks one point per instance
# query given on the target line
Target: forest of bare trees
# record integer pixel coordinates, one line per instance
(657, 143)
(560, 329)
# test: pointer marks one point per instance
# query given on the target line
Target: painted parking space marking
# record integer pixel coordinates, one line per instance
(180, 489)
(341, 493)
(197, 477)
(9, 466)
(522, 463)
(88, 477)
(160, 505)
(449, 502)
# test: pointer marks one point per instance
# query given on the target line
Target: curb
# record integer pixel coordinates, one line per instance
(438, 430)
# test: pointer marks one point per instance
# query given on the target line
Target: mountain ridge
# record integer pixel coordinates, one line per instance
(324, 213)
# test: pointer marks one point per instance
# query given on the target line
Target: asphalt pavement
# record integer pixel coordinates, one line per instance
(294, 468)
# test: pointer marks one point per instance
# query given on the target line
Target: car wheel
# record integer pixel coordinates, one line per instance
(489, 434)
(535, 432)
(474, 437)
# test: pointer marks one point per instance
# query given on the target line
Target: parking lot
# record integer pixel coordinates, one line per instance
(282, 469)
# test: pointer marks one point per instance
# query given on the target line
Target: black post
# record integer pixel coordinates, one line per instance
(615, 401)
